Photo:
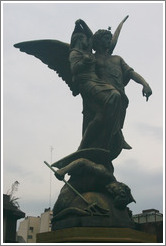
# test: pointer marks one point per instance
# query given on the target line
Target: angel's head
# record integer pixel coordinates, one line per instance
(80, 38)
(102, 38)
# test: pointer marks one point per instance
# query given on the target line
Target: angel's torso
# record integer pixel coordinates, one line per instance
(112, 69)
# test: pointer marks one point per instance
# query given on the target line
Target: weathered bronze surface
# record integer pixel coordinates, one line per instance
(90, 70)
(95, 235)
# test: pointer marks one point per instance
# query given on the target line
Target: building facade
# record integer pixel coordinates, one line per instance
(45, 223)
(150, 221)
(28, 229)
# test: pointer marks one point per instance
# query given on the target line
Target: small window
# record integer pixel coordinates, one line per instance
(31, 228)
(29, 236)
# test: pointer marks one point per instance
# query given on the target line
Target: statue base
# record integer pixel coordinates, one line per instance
(95, 235)
(119, 220)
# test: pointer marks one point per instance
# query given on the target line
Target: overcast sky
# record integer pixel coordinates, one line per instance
(39, 110)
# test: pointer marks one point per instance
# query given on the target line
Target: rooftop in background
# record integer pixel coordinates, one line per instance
(148, 215)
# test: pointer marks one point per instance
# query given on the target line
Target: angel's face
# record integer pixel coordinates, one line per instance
(106, 41)
(84, 41)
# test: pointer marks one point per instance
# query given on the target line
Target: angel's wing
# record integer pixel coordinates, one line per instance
(53, 53)
(116, 35)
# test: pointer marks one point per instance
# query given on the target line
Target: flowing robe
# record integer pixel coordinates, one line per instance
(98, 92)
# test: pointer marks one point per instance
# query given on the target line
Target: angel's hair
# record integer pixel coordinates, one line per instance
(97, 37)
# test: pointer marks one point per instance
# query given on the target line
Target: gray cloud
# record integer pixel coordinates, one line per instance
(150, 130)
(145, 184)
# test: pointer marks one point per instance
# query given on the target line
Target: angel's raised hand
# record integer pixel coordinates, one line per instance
(78, 22)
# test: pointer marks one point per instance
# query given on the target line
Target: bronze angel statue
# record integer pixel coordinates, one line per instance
(89, 69)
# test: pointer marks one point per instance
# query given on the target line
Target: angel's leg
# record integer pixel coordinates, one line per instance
(70, 167)
(115, 115)
(91, 131)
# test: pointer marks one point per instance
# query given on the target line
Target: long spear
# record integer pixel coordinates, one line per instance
(92, 207)
(66, 182)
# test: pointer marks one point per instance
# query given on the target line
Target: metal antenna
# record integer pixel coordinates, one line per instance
(51, 149)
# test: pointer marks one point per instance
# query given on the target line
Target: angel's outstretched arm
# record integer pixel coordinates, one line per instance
(85, 27)
(146, 91)
(116, 35)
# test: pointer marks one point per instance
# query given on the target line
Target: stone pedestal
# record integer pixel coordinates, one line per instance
(95, 235)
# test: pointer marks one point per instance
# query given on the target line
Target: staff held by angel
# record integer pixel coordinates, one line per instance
(89, 68)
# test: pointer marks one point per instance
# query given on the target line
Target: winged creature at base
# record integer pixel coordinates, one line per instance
(90, 70)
